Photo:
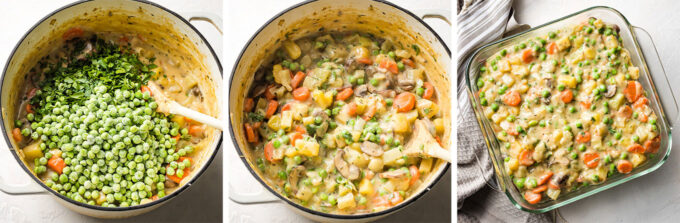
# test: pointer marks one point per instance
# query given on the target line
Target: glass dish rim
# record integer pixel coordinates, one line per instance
(487, 138)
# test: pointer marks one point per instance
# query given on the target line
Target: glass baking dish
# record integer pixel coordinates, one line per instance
(643, 54)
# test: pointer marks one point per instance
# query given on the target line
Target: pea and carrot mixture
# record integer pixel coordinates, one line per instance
(568, 110)
(88, 128)
(329, 116)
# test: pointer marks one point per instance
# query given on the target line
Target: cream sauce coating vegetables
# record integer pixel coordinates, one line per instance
(330, 115)
(568, 110)
(87, 124)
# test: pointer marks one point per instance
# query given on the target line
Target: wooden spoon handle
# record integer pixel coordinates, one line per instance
(176, 108)
(440, 153)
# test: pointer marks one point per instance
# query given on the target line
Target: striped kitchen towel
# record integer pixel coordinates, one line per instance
(479, 23)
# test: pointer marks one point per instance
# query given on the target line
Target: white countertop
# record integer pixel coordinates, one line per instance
(654, 197)
(202, 202)
(248, 17)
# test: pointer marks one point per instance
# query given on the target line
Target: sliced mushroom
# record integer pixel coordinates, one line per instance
(88, 48)
(259, 74)
(349, 171)
(257, 91)
(371, 149)
(559, 179)
(405, 83)
(611, 91)
(361, 90)
(548, 82)
(169, 183)
(545, 100)
(388, 93)
(294, 177)
(323, 127)
(398, 173)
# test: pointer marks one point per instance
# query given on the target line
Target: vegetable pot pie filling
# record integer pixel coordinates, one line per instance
(328, 119)
(87, 124)
(568, 110)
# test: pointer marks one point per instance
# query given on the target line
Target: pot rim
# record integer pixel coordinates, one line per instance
(278, 195)
(100, 208)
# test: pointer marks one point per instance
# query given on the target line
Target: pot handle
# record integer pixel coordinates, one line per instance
(442, 14)
(262, 196)
(654, 65)
(20, 189)
(212, 18)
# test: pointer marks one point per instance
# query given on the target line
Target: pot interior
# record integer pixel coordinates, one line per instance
(373, 17)
(165, 31)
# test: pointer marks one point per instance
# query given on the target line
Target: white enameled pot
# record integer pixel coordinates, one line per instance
(162, 28)
(377, 17)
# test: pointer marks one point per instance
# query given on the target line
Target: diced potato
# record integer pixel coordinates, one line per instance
(179, 120)
(611, 42)
(292, 151)
(411, 116)
(617, 101)
(402, 53)
(299, 110)
(425, 166)
(342, 190)
(282, 76)
(508, 80)
(578, 41)
(426, 108)
(304, 193)
(361, 105)
(634, 72)
(323, 99)
(316, 77)
(376, 165)
(292, 49)
(346, 201)
(360, 52)
(307, 148)
(504, 66)
(553, 194)
(390, 157)
(286, 120)
(401, 124)
(307, 120)
(274, 122)
(598, 23)
(567, 80)
(637, 159)
(355, 146)
(589, 53)
(563, 43)
(512, 164)
(520, 70)
(366, 187)
(357, 158)
(32, 151)
(439, 125)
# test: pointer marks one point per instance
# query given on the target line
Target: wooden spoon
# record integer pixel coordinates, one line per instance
(166, 105)
(422, 144)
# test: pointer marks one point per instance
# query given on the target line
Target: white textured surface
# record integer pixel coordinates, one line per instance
(200, 203)
(246, 18)
(654, 197)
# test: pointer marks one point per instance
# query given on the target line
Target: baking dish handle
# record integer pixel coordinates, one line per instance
(655, 67)
(493, 183)
(211, 18)
(262, 196)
